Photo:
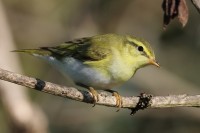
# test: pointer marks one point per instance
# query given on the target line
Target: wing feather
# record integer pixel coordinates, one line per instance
(82, 49)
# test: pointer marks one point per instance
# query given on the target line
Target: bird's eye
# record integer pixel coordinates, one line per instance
(140, 48)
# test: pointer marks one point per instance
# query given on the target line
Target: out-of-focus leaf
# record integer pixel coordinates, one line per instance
(183, 12)
(173, 9)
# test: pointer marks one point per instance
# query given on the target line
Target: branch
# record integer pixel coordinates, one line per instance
(196, 3)
(84, 96)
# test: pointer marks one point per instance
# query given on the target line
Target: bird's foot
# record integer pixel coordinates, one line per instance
(118, 99)
(144, 102)
(94, 95)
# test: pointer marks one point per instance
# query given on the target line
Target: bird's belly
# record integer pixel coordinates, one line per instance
(81, 73)
(121, 71)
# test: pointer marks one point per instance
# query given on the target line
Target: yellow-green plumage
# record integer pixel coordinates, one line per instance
(103, 61)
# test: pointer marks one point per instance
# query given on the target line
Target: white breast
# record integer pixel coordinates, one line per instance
(79, 72)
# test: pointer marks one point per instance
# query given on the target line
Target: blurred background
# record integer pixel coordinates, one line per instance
(34, 23)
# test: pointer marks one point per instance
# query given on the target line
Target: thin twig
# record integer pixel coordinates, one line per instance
(84, 96)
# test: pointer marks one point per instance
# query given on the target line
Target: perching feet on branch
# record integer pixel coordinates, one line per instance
(114, 93)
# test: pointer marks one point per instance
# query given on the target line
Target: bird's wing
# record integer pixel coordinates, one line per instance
(84, 49)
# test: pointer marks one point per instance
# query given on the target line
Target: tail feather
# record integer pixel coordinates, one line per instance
(35, 52)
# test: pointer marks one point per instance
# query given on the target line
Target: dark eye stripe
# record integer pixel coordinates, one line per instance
(140, 48)
(132, 43)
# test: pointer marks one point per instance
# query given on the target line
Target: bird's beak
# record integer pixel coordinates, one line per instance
(153, 62)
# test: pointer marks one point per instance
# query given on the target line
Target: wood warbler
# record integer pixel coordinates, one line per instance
(100, 62)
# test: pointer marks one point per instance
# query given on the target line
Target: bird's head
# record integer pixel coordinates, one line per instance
(141, 52)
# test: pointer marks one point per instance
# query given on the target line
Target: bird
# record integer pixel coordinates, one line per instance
(101, 62)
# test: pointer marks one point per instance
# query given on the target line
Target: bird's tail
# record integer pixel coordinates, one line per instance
(34, 52)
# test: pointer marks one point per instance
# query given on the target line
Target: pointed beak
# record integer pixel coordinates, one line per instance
(153, 62)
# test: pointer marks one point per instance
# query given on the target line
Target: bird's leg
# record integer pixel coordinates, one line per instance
(94, 95)
(118, 98)
(93, 92)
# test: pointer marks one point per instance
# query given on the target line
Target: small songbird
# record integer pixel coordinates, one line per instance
(99, 62)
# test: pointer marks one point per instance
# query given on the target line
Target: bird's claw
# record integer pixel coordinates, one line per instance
(118, 100)
(94, 95)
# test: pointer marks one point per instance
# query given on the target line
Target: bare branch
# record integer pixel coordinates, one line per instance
(84, 96)
(196, 3)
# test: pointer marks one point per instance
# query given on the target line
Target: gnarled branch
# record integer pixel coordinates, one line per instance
(84, 96)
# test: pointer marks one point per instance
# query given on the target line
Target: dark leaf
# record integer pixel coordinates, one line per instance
(173, 9)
